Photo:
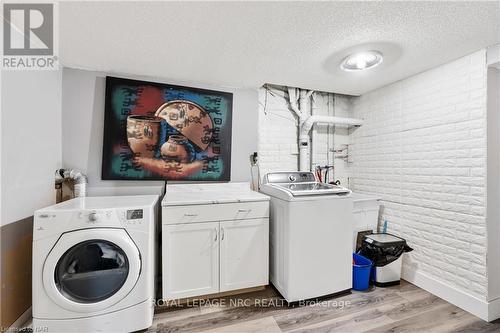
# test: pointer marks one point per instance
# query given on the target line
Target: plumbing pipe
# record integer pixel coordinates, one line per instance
(304, 97)
(329, 120)
(303, 101)
(304, 144)
(292, 96)
(298, 104)
(79, 178)
(309, 93)
(304, 136)
(58, 186)
(306, 122)
(304, 162)
(310, 152)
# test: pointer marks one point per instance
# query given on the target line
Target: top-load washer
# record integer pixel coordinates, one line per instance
(310, 235)
(93, 265)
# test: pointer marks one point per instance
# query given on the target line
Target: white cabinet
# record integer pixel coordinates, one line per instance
(244, 249)
(207, 249)
(365, 214)
(215, 212)
(191, 259)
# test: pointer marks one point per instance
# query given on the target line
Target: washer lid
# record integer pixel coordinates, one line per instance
(92, 269)
(312, 188)
(298, 183)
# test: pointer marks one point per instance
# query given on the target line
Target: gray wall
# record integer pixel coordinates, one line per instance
(83, 120)
(30, 141)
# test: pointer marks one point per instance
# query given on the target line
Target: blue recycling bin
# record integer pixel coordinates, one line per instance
(361, 269)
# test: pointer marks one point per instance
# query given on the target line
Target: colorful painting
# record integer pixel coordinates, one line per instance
(155, 131)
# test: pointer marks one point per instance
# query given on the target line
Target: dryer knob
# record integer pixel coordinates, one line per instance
(93, 217)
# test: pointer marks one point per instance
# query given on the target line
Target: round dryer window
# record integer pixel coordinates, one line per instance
(91, 271)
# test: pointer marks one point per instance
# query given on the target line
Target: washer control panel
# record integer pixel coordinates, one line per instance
(289, 177)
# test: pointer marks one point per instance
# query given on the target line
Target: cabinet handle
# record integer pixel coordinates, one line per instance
(244, 210)
(190, 214)
(215, 231)
(222, 234)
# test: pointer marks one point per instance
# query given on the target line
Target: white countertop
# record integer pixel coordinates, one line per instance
(201, 194)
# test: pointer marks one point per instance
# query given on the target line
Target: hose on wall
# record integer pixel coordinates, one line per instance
(79, 179)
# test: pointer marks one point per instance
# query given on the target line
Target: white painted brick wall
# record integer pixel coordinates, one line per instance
(423, 150)
(277, 148)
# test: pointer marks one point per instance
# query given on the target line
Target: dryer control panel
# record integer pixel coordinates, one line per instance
(131, 216)
(95, 217)
(135, 214)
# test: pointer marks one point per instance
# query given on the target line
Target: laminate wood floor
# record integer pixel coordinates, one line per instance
(403, 308)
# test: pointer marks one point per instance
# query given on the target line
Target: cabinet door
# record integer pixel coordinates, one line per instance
(244, 253)
(190, 259)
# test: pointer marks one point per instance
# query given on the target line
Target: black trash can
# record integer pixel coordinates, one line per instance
(385, 251)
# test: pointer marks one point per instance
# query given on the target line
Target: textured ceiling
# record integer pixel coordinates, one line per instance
(247, 44)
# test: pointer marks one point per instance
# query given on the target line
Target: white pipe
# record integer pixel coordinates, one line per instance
(79, 178)
(304, 161)
(330, 120)
(292, 96)
(304, 144)
(303, 99)
(310, 153)
(304, 137)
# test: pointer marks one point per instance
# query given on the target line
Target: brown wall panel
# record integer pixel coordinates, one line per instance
(16, 244)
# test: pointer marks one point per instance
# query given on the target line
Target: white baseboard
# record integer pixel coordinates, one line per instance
(487, 311)
(20, 322)
(494, 309)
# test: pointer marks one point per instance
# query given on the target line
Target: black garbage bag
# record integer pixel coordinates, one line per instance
(383, 252)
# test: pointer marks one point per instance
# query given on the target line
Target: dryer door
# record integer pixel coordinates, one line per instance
(90, 270)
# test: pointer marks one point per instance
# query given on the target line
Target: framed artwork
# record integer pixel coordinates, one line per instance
(156, 131)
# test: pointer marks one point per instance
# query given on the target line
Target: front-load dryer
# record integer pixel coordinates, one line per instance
(94, 265)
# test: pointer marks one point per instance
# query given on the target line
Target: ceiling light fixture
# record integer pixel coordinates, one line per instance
(361, 61)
